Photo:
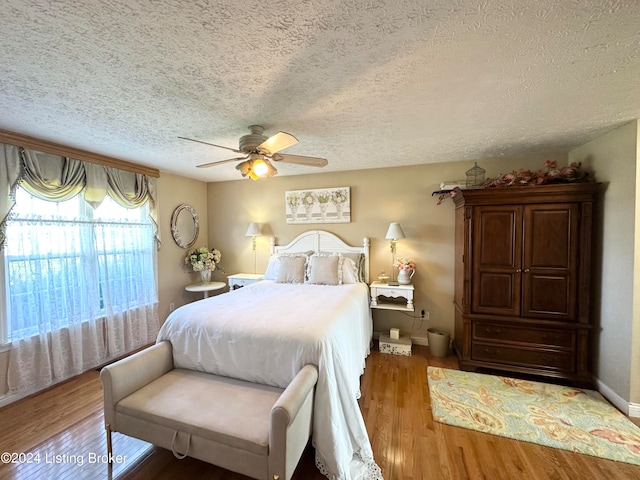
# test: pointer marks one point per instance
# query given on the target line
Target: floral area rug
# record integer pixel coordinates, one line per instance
(556, 416)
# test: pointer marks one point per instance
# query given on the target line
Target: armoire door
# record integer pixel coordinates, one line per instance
(497, 258)
(549, 267)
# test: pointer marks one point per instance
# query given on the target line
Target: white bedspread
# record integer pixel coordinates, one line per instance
(266, 332)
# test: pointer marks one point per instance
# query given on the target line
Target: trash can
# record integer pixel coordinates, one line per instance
(438, 342)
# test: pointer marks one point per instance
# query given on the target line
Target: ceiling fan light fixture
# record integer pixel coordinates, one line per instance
(245, 167)
(271, 170)
(262, 167)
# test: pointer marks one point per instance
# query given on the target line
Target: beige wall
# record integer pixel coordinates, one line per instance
(634, 396)
(378, 197)
(174, 190)
(614, 159)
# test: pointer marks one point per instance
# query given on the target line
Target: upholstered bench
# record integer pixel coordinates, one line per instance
(253, 429)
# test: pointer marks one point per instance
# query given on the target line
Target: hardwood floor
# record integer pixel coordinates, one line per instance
(61, 436)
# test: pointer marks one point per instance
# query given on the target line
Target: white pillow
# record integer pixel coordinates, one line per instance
(271, 273)
(272, 268)
(324, 269)
(358, 259)
(291, 269)
(349, 271)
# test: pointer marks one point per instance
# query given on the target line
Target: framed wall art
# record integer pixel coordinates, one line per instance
(322, 205)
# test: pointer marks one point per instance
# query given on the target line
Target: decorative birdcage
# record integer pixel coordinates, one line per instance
(475, 176)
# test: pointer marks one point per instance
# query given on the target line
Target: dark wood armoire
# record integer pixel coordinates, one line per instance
(523, 279)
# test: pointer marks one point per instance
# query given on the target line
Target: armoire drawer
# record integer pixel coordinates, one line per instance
(523, 357)
(525, 335)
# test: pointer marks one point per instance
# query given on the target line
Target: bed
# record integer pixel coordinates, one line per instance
(267, 331)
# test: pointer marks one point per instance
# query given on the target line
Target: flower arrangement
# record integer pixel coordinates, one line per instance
(402, 263)
(293, 200)
(204, 259)
(448, 194)
(551, 174)
(308, 199)
(324, 197)
(339, 197)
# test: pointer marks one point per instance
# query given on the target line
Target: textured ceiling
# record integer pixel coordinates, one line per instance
(363, 83)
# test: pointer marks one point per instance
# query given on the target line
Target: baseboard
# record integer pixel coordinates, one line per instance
(619, 402)
(8, 399)
(634, 410)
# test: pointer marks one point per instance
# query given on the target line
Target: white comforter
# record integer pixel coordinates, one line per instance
(266, 332)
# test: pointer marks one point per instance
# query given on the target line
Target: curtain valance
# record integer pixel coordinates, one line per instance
(56, 178)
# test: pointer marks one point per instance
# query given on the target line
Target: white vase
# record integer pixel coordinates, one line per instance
(323, 211)
(404, 276)
(205, 275)
(308, 209)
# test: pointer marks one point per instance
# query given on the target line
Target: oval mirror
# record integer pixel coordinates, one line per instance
(184, 226)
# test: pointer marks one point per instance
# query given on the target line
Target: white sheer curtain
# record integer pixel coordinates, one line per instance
(127, 276)
(79, 272)
(81, 290)
(50, 293)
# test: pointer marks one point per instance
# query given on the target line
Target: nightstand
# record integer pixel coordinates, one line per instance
(243, 279)
(396, 291)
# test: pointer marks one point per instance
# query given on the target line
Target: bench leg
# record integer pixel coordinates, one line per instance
(107, 427)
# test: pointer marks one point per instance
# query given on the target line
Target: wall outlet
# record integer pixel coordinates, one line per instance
(424, 314)
(172, 307)
(421, 313)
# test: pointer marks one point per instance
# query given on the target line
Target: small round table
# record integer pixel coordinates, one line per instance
(205, 287)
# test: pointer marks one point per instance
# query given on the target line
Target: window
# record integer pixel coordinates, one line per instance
(66, 263)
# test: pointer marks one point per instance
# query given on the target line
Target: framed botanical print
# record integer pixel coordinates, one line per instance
(322, 205)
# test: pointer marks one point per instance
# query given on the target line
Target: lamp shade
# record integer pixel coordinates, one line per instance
(253, 230)
(394, 231)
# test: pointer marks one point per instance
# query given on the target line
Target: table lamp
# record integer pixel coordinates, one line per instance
(393, 233)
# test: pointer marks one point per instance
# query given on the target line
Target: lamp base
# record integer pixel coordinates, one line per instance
(393, 284)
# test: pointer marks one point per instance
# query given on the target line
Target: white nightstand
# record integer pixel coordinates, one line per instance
(243, 279)
(397, 291)
(205, 287)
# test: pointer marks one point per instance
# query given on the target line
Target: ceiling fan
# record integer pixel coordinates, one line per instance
(259, 151)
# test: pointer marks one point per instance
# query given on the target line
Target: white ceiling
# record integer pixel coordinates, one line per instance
(363, 83)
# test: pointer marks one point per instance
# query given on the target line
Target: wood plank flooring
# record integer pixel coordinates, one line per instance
(61, 435)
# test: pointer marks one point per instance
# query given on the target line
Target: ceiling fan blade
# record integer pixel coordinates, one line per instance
(220, 162)
(212, 144)
(277, 142)
(300, 160)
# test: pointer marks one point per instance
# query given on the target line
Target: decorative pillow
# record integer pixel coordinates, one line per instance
(360, 270)
(291, 269)
(349, 274)
(271, 273)
(325, 269)
(358, 259)
(272, 268)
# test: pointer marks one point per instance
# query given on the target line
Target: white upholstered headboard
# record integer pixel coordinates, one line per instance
(322, 241)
